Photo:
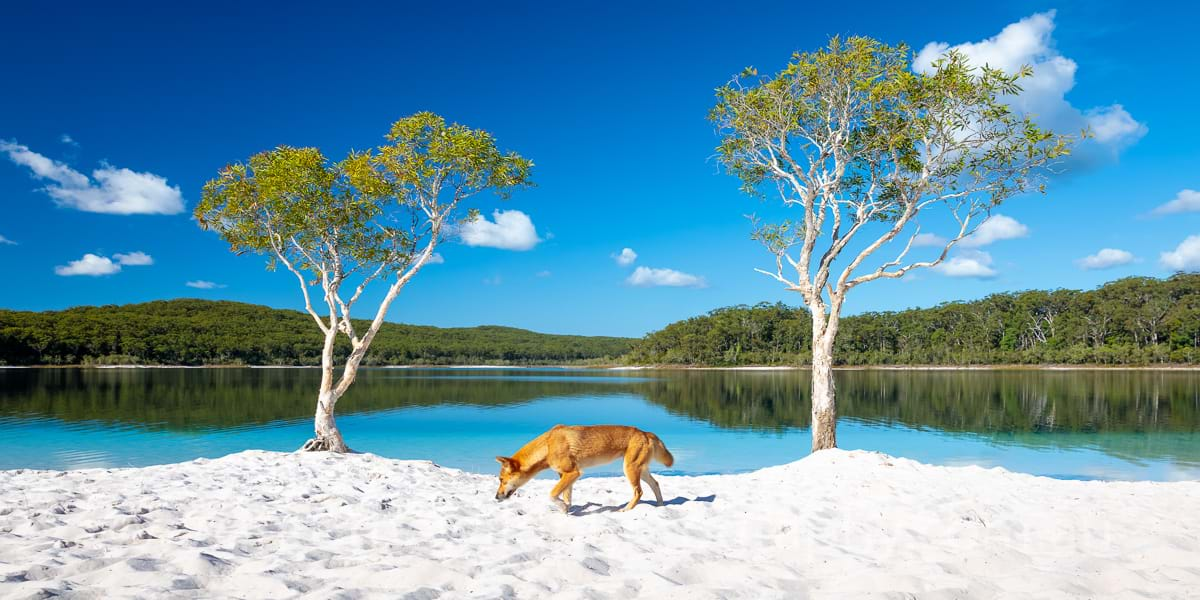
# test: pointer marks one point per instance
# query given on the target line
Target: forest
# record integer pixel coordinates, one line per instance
(203, 332)
(1131, 321)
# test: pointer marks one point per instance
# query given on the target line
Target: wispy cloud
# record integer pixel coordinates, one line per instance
(544, 274)
(200, 284)
(995, 229)
(435, 259)
(928, 239)
(94, 265)
(493, 280)
(972, 263)
(110, 190)
(648, 277)
(1106, 258)
(134, 259)
(510, 230)
(1183, 202)
(6, 242)
(68, 140)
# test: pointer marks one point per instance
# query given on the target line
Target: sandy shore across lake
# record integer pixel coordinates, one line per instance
(837, 524)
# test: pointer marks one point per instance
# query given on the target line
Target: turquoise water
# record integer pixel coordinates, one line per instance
(1071, 424)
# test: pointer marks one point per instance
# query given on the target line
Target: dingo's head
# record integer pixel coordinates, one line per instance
(511, 477)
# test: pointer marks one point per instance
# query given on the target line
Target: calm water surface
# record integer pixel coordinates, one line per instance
(1070, 424)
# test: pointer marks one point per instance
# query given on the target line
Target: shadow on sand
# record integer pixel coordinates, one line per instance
(592, 508)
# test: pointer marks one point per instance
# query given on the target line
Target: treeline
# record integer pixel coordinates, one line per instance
(1132, 321)
(202, 332)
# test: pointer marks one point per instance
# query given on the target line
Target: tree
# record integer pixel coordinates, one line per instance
(863, 147)
(374, 215)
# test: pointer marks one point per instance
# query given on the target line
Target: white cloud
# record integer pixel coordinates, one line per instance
(435, 259)
(1030, 42)
(94, 265)
(68, 140)
(114, 190)
(6, 242)
(511, 230)
(928, 239)
(544, 274)
(134, 259)
(200, 284)
(647, 277)
(1184, 201)
(625, 257)
(972, 263)
(90, 264)
(995, 229)
(1185, 256)
(1105, 259)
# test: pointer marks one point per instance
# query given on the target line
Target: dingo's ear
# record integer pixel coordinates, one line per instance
(503, 460)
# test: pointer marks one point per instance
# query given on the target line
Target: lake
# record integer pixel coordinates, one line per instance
(1079, 424)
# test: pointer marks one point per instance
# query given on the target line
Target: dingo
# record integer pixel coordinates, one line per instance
(569, 450)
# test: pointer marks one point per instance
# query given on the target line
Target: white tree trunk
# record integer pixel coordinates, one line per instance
(824, 410)
(327, 436)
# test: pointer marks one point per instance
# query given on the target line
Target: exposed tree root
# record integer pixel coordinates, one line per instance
(325, 444)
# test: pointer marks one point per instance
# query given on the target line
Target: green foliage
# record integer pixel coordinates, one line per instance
(201, 332)
(1136, 320)
(371, 210)
(853, 140)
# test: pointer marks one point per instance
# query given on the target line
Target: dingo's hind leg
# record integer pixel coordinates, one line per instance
(653, 485)
(634, 473)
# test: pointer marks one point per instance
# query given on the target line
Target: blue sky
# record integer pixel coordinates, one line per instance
(610, 103)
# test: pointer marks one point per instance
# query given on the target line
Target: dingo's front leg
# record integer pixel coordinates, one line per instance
(564, 485)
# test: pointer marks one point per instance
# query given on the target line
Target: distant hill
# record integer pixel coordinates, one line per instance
(1131, 321)
(204, 332)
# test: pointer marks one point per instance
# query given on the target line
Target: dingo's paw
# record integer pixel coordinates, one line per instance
(561, 506)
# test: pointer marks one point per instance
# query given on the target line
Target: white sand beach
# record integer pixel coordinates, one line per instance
(837, 524)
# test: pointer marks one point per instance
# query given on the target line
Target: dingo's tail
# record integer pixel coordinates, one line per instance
(661, 454)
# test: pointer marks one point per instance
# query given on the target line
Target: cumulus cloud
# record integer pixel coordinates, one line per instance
(95, 265)
(509, 230)
(1184, 201)
(134, 259)
(90, 264)
(1106, 258)
(648, 277)
(1185, 256)
(928, 239)
(6, 242)
(1030, 42)
(200, 284)
(625, 257)
(110, 190)
(972, 263)
(995, 229)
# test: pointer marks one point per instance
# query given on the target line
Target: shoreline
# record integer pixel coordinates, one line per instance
(988, 367)
(835, 524)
